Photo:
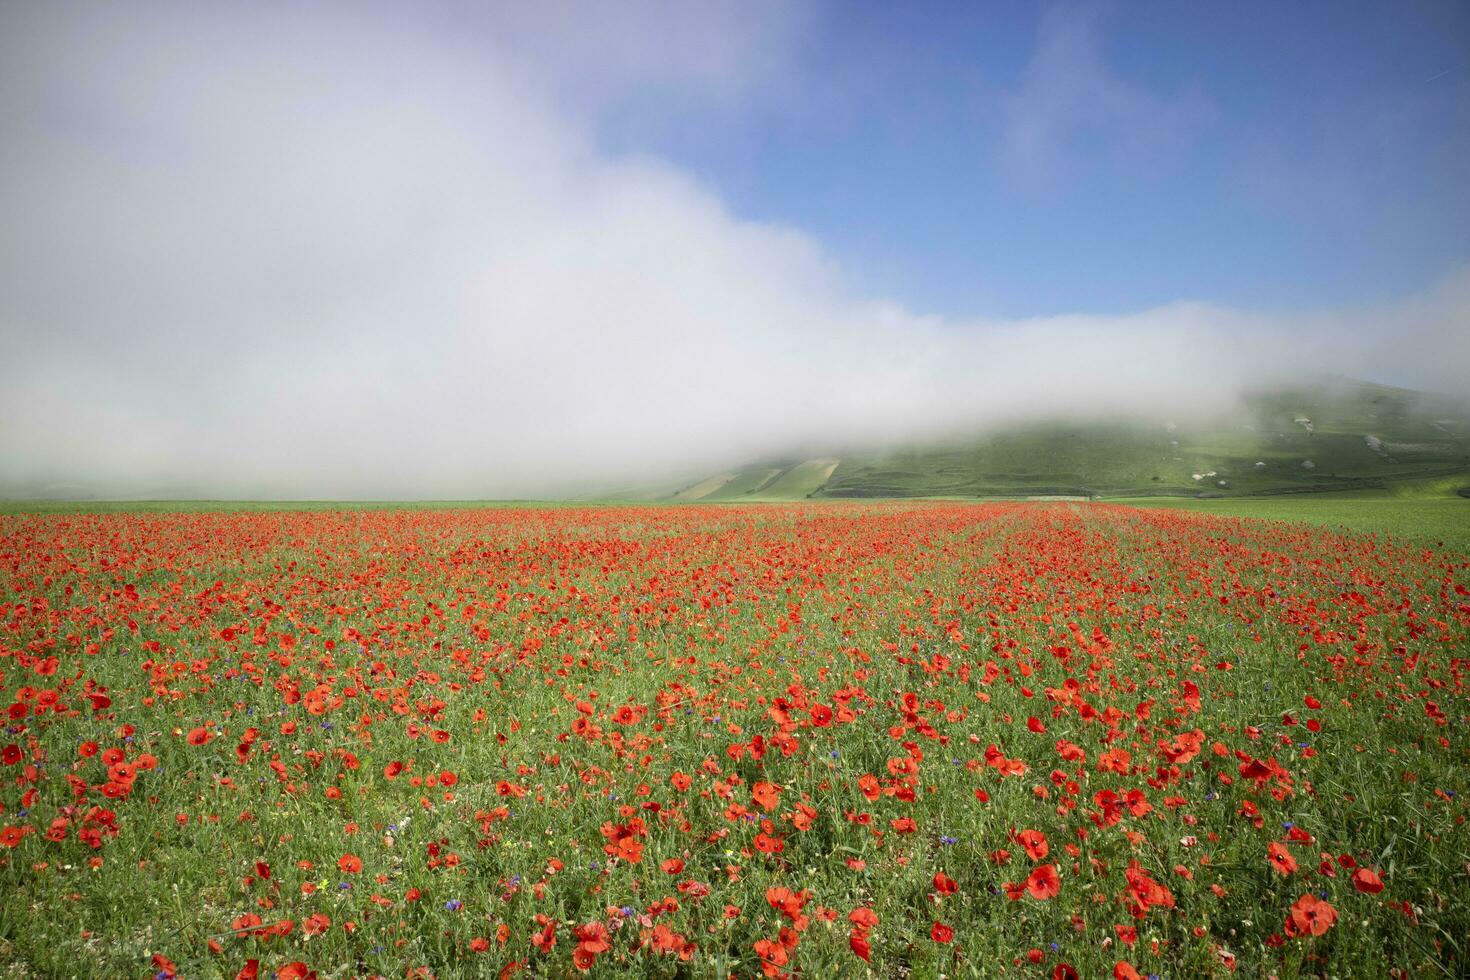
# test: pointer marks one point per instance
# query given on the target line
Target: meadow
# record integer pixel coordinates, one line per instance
(915, 739)
(1435, 522)
(1338, 437)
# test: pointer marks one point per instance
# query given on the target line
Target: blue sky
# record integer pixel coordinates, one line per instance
(1265, 155)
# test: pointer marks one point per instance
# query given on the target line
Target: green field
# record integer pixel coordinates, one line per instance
(880, 740)
(748, 482)
(1406, 517)
(257, 506)
(1330, 436)
(1432, 522)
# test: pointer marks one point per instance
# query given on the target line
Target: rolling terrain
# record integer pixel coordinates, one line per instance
(1330, 436)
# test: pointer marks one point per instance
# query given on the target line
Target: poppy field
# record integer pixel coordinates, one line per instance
(821, 740)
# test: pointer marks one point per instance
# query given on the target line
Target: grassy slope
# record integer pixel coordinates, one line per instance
(799, 481)
(746, 483)
(1363, 437)
(704, 488)
(1154, 460)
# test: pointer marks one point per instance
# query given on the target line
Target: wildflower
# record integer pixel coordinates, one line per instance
(1043, 883)
(1366, 880)
(1310, 916)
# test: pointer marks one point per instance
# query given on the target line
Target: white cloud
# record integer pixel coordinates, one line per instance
(298, 253)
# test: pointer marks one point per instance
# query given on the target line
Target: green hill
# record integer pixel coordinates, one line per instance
(746, 482)
(1332, 435)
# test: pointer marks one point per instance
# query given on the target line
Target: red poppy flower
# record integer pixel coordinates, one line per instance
(1310, 916)
(1043, 883)
(1035, 844)
(1281, 859)
(593, 935)
(1367, 880)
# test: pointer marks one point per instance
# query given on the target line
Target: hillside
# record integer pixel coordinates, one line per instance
(1336, 435)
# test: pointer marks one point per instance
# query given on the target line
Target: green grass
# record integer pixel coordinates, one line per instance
(1364, 438)
(1428, 521)
(940, 628)
(705, 487)
(798, 481)
(746, 483)
(257, 506)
